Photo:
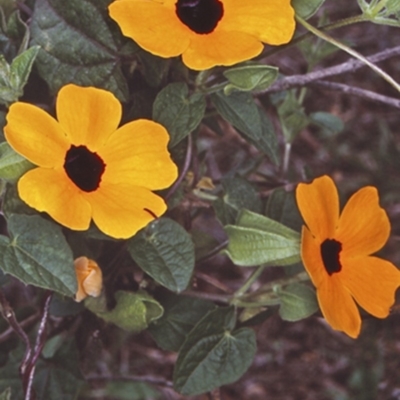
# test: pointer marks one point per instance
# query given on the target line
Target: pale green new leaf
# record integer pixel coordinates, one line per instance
(257, 240)
(298, 301)
(133, 311)
(12, 165)
(250, 77)
(14, 77)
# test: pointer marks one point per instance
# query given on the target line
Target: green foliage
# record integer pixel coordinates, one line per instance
(133, 311)
(250, 77)
(14, 77)
(178, 111)
(165, 251)
(381, 12)
(37, 254)
(256, 240)
(298, 301)
(282, 207)
(181, 314)
(240, 109)
(14, 32)
(307, 8)
(57, 376)
(330, 124)
(78, 44)
(12, 165)
(292, 116)
(239, 194)
(233, 205)
(214, 353)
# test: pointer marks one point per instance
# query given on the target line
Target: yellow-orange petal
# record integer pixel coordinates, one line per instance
(318, 203)
(372, 282)
(35, 135)
(89, 278)
(271, 22)
(363, 226)
(121, 210)
(338, 307)
(51, 191)
(220, 48)
(311, 257)
(88, 115)
(137, 154)
(153, 25)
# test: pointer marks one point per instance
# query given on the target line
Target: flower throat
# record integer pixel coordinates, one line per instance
(330, 252)
(201, 16)
(84, 168)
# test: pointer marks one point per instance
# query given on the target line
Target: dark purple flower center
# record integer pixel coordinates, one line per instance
(330, 253)
(84, 168)
(201, 16)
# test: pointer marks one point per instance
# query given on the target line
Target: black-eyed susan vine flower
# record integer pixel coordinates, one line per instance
(336, 252)
(88, 167)
(205, 32)
(89, 278)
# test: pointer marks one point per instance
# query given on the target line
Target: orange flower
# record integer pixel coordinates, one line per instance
(88, 167)
(336, 252)
(89, 278)
(205, 32)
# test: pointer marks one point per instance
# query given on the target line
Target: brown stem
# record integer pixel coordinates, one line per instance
(352, 65)
(39, 344)
(9, 316)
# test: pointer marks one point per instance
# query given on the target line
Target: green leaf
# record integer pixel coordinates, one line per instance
(154, 68)
(240, 110)
(14, 32)
(165, 251)
(298, 301)
(58, 376)
(238, 194)
(14, 77)
(250, 77)
(329, 123)
(282, 207)
(37, 254)
(292, 116)
(12, 165)
(181, 314)
(12, 203)
(259, 240)
(178, 111)
(214, 354)
(131, 391)
(306, 8)
(133, 312)
(78, 44)
(21, 68)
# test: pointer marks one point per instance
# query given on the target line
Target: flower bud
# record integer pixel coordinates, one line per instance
(89, 278)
